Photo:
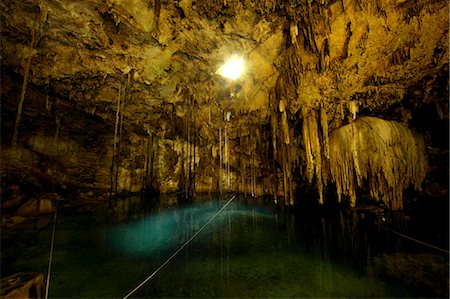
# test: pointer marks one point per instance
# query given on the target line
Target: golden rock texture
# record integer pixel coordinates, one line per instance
(123, 96)
(378, 152)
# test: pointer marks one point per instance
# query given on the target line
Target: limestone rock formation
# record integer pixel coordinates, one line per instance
(123, 95)
(377, 153)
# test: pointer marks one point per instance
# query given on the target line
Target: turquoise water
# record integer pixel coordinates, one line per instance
(247, 251)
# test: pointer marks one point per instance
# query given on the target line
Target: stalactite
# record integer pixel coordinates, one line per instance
(252, 191)
(344, 53)
(48, 103)
(282, 150)
(293, 30)
(119, 147)
(226, 161)
(24, 88)
(312, 36)
(113, 182)
(324, 57)
(191, 157)
(324, 126)
(56, 144)
(187, 178)
(341, 110)
(244, 190)
(292, 156)
(287, 175)
(152, 183)
(155, 174)
(313, 148)
(284, 123)
(274, 130)
(194, 144)
(353, 107)
(282, 138)
(41, 17)
(283, 166)
(439, 110)
(274, 125)
(325, 147)
(118, 136)
(252, 145)
(244, 164)
(144, 174)
(220, 160)
(182, 182)
(308, 148)
(56, 138)
(186, 156)
(385, 154)
(143, 146)
(253, 179)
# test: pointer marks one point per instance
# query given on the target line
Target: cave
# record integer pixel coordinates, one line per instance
(217, 149)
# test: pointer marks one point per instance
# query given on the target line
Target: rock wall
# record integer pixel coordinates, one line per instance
(106, 97)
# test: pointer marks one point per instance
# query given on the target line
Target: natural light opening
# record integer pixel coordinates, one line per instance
(233, 68)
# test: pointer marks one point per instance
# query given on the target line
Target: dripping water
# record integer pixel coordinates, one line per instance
(220, 160)
(227, 157)
(243, 178)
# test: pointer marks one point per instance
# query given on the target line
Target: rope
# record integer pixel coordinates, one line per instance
(50, 259)
(420, 242)
(179, 249)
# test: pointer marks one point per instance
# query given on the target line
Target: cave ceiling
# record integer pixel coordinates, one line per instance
(342, 56)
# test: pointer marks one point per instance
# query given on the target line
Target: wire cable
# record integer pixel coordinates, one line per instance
(179, 249)
(420, 242)
(50, 259)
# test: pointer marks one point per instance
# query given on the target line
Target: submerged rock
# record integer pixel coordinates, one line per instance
(22, 285)
(42, 204)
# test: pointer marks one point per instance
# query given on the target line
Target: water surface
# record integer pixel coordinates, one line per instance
(250, 250)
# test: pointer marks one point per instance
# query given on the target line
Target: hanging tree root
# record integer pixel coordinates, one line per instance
(385, 154)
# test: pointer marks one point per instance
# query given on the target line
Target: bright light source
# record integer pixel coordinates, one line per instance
(233, 68)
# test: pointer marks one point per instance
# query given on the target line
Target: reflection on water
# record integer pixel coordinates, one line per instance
(248, 250)
(167, 229)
